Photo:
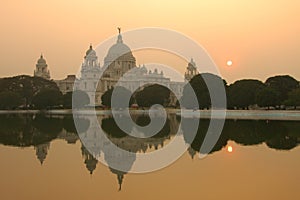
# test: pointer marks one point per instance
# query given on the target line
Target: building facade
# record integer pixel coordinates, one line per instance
(119, 67)
(66, 85)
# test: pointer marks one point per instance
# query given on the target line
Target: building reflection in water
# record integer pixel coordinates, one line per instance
(39, 131)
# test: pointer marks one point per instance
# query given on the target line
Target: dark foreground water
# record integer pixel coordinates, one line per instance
(42, 157)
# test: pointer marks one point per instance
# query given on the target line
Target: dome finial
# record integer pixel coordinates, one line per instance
(41, 55)
(120, 40)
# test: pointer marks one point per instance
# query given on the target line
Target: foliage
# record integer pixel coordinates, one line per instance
(153, 94)
(282, 85)
(67, 100)
(79, 99)
(10, 100)
(198, 84)
(293, 98)
(119, 91)
(47, 98)
(26, 86)
(267, 97)
(242, 93)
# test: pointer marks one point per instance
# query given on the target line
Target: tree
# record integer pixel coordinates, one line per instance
(79, 99)
(198, 85)
(267, 97)
(47, 98)
(10, 100)
(106, 97)
(242, 93)
(67, 100)
(153, 94)
(293, 98)
(282, 85)
(120, 93)
(26, 86)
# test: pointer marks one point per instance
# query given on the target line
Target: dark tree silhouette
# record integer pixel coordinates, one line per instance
(200, 88)
(26, 86)
(242, 93)
(153, 94)
(293, 98)
(47, 98)
(79, 99)
(282, 85)
(10, 100)
(67, 100)
(267, 97)
(120, 92)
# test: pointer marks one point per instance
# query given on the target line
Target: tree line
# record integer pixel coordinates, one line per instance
(279, 92)
(26, 92)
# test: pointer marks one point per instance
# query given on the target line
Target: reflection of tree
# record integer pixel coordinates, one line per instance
(281, 135)
(39, 131)
(110, 127)
(69, 125)
(16, 130)
(134, 144)
(248, 132)
(285, 135)
(28, 130)
(144, 120)
(47, 125)
(82, 124)
(197, 142)
(282, 142)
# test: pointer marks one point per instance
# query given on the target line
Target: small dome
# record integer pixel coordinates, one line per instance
(90, 51)
(41, 60)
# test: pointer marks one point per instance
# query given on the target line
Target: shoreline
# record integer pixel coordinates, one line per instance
(292, 115)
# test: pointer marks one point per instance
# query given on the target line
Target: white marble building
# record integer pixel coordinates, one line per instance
(120, 67)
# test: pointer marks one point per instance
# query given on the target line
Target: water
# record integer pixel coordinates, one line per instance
(42, 157)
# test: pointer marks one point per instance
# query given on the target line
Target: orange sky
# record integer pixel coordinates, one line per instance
(261, 37)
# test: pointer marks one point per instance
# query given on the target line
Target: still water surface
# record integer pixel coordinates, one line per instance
(42, 157)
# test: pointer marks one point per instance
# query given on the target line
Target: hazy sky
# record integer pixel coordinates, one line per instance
(260, 37)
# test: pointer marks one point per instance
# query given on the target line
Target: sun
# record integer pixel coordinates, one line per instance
(229, 149)
(229, 63)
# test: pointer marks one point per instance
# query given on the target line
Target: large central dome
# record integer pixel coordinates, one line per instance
(119, 52)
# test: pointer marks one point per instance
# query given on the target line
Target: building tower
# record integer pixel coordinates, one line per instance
(191, 70)
(42, 69)
(90, 75)
(90, 59)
